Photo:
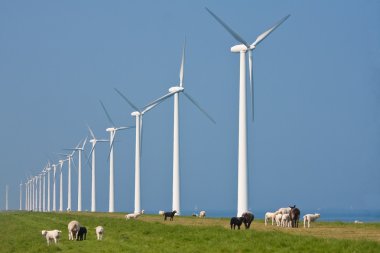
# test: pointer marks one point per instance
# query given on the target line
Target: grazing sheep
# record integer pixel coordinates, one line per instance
(99, 232)
(358, 222)
(278, 219)
(82, 234)
(248, 218)
(169, 214)
(269, 215)
(202, 214)
(161, 212)
(73, 228)
(295, 216)
(133, 215)
(283, 210)
(285, 220)
(309, 218)
(236, 221)
(51, 235)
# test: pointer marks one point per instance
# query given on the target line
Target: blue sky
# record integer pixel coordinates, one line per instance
(315, 139)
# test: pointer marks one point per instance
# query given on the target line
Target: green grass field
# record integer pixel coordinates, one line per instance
(21, 232)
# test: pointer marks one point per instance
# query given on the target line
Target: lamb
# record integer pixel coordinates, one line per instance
(248, 218)
(269, 215)
(285, 220)
(283, 210)
(278, 219)
(82, 234)
(236, 221)
(51, 235)
(161, 212)
(99, 232)
(307, 218)
(202, 214)
(170, 215)
(73, 228)
(133, 215)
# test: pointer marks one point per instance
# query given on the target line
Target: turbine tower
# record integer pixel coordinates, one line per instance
(54, 188)
(174, 91)
(26, 196)
(94, 141)
(40, 193)
(20, 196)
(242, 49)
(139, 123)
(44, 190)
(112, 130)
(48, 187)
(61, 185)
(6, 197)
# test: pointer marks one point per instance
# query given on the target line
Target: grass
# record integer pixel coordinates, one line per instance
(185, 234)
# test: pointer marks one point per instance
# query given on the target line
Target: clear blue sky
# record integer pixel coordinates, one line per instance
(315, 141)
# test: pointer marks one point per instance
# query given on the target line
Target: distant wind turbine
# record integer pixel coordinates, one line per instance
(6, 198)
(40, 192)
(44, 190)
(54, 188)
(94, 141)
(48, 187)
(112, 130)
(174, 91)
(20, 196)
(139, 113)
(242, 152)
(61, 185)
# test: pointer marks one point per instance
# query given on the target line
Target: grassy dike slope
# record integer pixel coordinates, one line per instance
(21, 232)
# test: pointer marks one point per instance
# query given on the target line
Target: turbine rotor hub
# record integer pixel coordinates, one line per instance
(176, 89)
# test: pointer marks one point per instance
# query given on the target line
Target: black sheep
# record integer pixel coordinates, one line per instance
(82, 233)
(236, 221)
(169, 214)
(248, 218)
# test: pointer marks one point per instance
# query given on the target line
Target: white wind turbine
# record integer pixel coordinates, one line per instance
(112, 130)
(6, 198)
(94, 141)
(36, 192)
(40, 192)
(61, 185)
(69, 160)
(139, 113)
(242, 151)
(174, 91)
(26, 196)
(44, 190)
(79, 149)
(48, 169)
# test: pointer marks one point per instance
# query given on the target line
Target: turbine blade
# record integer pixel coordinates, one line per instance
(84, 143)
(232, 32)
(182, 65)
(127, 100)
(107, 114)
(123, 128)
(148, 108)
(262, 36)
(111, 144)
(199, 107)
(92, 150)
(158, 101)
(251, 81)
(91, 132)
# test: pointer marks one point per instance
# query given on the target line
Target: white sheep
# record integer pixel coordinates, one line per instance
(51, 235)
(283, 210)
(285, 220)
(309, 218)
(99, 232)
(161, 212)
(269, 215)
(133, 215)
(278, 219)
(73, 228)
(202, 214)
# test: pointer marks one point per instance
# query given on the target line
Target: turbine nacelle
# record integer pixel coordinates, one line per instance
(176, 89)
(239, 48)
(111, 129)
(135, 113)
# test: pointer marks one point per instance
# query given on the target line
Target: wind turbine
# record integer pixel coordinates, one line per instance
(79, 149)
(112, 130)
(6, 197)
(94, 141)
(48, 187)
(61, 185)
(69, 160)
(174, 91)
(26, 196)
(243, 48)
(44, 191)
(40, 193)
(139, 123)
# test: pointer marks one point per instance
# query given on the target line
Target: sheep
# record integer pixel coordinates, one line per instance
(283, 210)
(170, 215)
(133, 215)
(358, 222)
(248, 218)
(99, 232)
(307, 218)
(82, 234)
(202, 214)
(295, 216)
(161, 212)
(278, 219)
(51, 235)
(269, 215)
(73, 228)
(285, 220)
(236, 221)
